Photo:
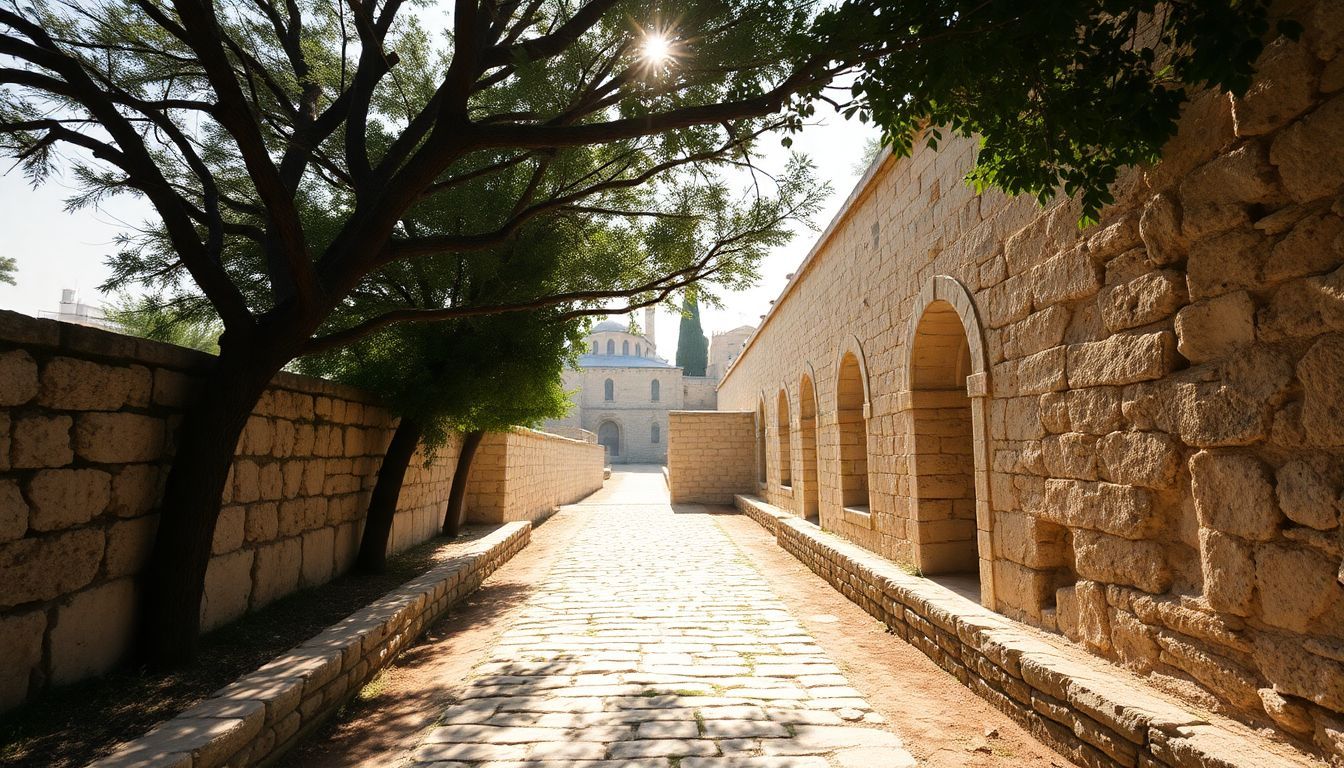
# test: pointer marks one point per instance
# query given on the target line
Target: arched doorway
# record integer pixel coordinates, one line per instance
(609, 437)
(853, 428)
(807, 446)
(783, 436)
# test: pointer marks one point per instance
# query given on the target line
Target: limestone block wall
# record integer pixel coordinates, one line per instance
(524, 474)
(1152, 417)
(86, 430)
(710, 455)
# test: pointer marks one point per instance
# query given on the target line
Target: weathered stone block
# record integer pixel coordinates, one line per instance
(1042, 372)
(228, 587)
(277, 571)
(1225, 263)
(1038, 332)
(1072, 454)
(13, 511)
(1323, 391)
(1210, 329)
(1213, 196)
(1314, 246)
(1233, 494)
(229, 529)
(1290, 714)
(1143, 300)
(1307, 172)
(1148, 459)
(1283, 88)
(18, 378)
(128, 545)
(1120, 510)
(1067, 277)
(1113, 560)
(1304, 308)
(118, 438)
(1120, 360)
(40, 569)
(1160, 229)
(1028, 540)
(318, 556)
(92, 631)
(21, 648)
(1094, 626)
(1294, 671)
(1227, 679)
(1306, 496)
(71, 384)
(1296, 586)
(63, 498)
(135, 490)
(41, 441)
(1134, 642)
(1229, 572)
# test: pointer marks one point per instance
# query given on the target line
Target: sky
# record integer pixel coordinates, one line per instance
(57, 250)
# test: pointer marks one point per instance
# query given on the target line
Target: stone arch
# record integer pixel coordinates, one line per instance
(944, 388)
(853, 407)
(807, 443)
(609, 437)
(783, 437)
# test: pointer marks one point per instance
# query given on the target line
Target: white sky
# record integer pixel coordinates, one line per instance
(57, 250)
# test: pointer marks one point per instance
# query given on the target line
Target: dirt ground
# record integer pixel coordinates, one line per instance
(943, 723)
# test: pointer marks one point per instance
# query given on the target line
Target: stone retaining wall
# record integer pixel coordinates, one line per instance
(1150, 411)
(525, 474)
(86, 420)
(262, 715)
(1087, 710)
(709, 456)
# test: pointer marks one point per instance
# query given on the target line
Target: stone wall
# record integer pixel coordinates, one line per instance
(1155, 407)
(710, 456)
(86, 421)
(525, 474)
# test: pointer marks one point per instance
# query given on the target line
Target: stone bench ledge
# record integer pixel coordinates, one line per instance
(1117, 718)
(257, 717)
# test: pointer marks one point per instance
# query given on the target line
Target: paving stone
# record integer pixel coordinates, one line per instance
(649, 642)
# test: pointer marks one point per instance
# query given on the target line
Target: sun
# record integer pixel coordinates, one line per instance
(657, 49)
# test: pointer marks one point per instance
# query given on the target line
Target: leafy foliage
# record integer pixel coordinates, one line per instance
(151, 318)
(8, 266)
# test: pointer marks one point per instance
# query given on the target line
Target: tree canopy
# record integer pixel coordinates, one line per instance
(692, 346)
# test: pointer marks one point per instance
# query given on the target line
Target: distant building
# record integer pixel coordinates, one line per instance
(724, 348)
(623, 391)
(72, 310)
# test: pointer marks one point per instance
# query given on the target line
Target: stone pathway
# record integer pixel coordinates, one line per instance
(654, 643)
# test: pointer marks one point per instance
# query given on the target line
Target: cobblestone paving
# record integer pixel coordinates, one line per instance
(653, 643)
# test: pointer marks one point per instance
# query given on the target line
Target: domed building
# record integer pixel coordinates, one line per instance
(623, 390)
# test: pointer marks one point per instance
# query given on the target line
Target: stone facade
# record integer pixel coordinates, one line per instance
(622, 392)
(525, 474)
(710, 455)
(1131, 434)
(86, 420)
(724, 347)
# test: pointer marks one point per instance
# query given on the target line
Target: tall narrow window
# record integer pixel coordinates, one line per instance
(653, 390)
(639, 351)
(853, 467)
(595, 349)
(785, 454)
(654, 434)
(608, 390)
(625, 347)
(611, 347)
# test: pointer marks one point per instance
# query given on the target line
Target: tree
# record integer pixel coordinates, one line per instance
(8, 266)
(236, 121)
(152, 318)
(692, 346)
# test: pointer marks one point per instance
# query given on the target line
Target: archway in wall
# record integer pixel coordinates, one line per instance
(609, 437)
(807, 447)
(784, 438)
(853, 429)
(943, 448)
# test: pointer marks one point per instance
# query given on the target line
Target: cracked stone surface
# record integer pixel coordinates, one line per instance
(653, 643)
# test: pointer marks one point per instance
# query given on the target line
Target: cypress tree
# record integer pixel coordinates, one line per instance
(692, 346)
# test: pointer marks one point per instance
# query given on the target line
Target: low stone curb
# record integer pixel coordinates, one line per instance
(261, 715)
(1083, 707)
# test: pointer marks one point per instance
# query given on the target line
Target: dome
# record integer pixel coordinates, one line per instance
(610, 326)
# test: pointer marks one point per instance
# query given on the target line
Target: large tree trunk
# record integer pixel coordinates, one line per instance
(383, 504)
(174, 578)
(457, 495)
